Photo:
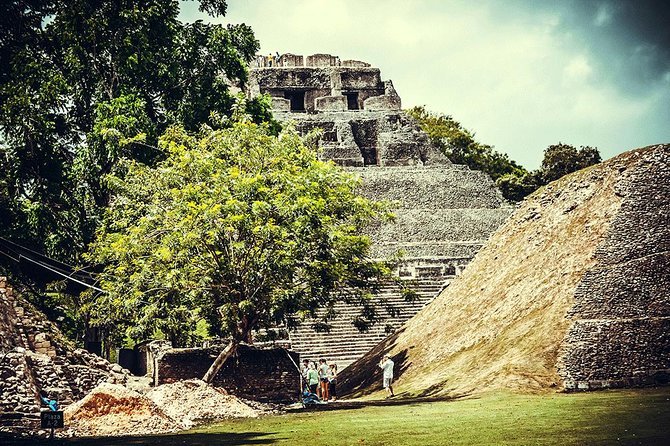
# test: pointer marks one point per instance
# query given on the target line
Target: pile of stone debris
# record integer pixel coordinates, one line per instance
(115, 410)
(37, 360)
(99, 398)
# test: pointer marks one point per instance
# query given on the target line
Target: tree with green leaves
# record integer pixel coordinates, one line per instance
(460, 147)
(513, 180)
(561, 159)
(75, 76)
(85, 84)
(239, 228)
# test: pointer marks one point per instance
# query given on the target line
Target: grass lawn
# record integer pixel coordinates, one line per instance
(627, 417)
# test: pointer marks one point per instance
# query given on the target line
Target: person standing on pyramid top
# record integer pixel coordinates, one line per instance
(387, 368)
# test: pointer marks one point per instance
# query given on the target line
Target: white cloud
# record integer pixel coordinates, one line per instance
(578, 69)
(604, 15)
(521, 82)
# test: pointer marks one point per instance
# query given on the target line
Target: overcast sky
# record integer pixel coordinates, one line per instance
(521, 74)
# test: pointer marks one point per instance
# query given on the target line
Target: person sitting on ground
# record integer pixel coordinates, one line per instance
(332, 381)
(387, 367)
(323, 376)
(312, 378)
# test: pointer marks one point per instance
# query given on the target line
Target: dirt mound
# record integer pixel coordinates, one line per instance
(111, 409)
(193, 402)
(572, 292)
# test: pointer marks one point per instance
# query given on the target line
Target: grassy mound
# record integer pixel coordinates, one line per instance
(503, 322)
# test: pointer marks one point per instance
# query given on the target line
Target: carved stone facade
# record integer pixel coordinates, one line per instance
(444, 212)
(360, 115)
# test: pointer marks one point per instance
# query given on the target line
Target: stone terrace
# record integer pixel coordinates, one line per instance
(444, 212)
(344, 343)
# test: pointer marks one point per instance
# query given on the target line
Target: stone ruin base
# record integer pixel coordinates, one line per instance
(259, 374)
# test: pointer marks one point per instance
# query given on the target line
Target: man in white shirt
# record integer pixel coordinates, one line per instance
(387, 367)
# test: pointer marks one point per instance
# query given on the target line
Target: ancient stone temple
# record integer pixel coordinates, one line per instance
(445, 212)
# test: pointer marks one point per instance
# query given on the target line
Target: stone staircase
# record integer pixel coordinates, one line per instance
(443, 215)
(344, 343)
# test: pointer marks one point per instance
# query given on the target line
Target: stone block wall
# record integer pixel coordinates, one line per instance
(35, 358)
(260, 374)
(17, 386)
(281, 104)
(621, 330)
(331, 103)
(291, 60)
(321, 60)
(382, 102)
(354, 63)
(441, 212)
(376, 138)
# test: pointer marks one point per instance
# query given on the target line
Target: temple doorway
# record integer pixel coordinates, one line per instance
(297, 99)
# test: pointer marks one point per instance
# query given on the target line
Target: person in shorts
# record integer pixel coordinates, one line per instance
(323, 377)
(387, 374)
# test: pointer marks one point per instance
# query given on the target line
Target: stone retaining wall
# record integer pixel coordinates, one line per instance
(266, 375)
(621, 330)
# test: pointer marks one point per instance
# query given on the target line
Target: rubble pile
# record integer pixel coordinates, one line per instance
(112, 409)
(194, 402)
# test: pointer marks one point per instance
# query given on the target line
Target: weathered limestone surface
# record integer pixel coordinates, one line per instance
(359, 138)
(444, 213)
(35, 357)
(388, 101)
(621, 330)
(331, 103)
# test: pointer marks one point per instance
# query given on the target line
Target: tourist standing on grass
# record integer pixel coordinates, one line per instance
(332, 381)
(323, 376)
(305, 372)
(312, 378)
(387, 368)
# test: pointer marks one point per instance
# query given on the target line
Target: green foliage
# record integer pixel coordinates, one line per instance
(515, 187)
(83, 84)
(561, 159)
(513, 180)
(236, 226)
(460, 146)
(86, 84)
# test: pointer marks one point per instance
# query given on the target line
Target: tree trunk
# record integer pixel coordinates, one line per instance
(220, 361)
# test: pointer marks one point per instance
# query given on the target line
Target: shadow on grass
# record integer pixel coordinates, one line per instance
(195, 439)
(398, 400)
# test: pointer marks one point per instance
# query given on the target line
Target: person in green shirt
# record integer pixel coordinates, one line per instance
(312, 378)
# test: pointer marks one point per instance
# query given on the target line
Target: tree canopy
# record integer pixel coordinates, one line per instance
(513, 180)
(237, 227)
(561, 159)
(460, 146)
(75, 77)
(85, 84)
